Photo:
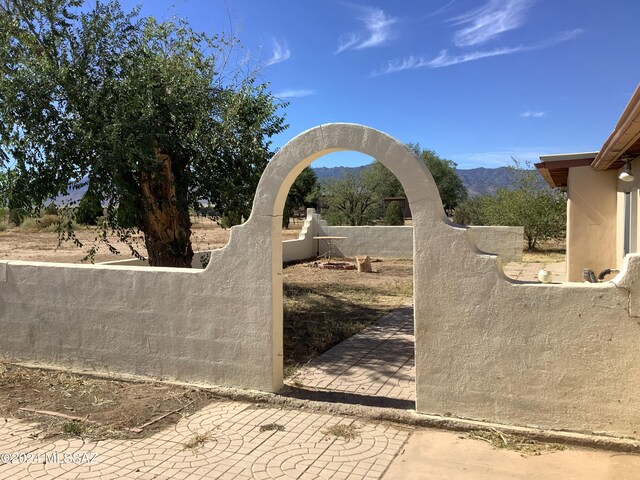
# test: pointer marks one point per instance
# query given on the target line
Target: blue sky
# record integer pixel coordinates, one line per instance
(478, 81)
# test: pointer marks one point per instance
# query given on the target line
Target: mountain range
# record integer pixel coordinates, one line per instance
(477, 180)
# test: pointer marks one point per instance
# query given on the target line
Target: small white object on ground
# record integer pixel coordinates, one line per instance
(545, 276)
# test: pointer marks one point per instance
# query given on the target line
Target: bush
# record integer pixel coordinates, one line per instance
(50, 209)
(16, 216)
(89, 210)
(394, 215)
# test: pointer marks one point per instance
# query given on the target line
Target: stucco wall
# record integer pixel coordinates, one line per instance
(591, 221)
(194, 325)
(391, 242)
(487, 347)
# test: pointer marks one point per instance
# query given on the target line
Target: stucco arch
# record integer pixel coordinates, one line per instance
(286, 165)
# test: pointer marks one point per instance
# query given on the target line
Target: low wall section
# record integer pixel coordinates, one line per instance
(391, 242)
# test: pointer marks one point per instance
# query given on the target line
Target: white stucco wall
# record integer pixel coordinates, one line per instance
(487, 347)
(391, 241)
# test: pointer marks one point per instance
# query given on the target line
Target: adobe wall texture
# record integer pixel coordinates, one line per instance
(487, 347)
(391, 242)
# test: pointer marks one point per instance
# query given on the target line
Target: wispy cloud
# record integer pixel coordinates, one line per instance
(378, 31)
(530, 114)
(489, 21)
(292, 93)
(442, 9)
(280, 53)
(444, 59)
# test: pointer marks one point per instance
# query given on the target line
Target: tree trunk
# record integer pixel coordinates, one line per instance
(167, 227)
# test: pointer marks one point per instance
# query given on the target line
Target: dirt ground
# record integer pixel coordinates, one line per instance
(42, 246)
(66, 404)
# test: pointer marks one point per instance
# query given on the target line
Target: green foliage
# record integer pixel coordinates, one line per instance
(530, 204)
(354, 199)
(394, 215)
(16, 216)
(143, 111)
(50, 209)
(304, 192)
(89, 209)
(450, 186)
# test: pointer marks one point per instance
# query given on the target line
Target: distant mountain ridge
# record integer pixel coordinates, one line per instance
(477, 180)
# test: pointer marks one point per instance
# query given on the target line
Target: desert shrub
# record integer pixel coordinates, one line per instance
(394, 215)
(47, 220)
(89, 210)
(50, 209)
(16, 216)
(3, 227)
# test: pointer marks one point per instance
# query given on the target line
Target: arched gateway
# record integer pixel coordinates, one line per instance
(286, 165)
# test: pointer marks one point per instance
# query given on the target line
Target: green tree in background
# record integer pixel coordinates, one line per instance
(353, 200)
(394, 215)
(529, 204)
(450, 186)
(304, 192)
(89, 209)
(145, 112)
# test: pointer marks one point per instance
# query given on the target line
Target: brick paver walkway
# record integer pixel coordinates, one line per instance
(377, 362)
(241, 441)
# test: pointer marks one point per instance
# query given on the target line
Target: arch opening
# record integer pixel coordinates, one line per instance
(349, 336)
(299, 153)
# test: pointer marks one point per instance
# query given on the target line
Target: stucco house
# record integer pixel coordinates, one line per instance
(603, 196)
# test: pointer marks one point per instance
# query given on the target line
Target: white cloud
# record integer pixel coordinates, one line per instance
(444, 59)
(292, 93)
(280, 53)
(489, 21)
(378, 31)
(442, 9)
(530, 114)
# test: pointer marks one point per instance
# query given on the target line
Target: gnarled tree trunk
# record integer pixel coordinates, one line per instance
(167, 227)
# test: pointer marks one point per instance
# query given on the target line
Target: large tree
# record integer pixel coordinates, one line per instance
(142, 111)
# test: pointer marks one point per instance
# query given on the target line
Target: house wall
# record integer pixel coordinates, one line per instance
(591, 221)
(487, 347)
(634, 233)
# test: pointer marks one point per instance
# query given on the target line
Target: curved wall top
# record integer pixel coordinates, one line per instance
(310, 145)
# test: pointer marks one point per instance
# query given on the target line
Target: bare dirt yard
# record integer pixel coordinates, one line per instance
(321, 309)
(37, 244)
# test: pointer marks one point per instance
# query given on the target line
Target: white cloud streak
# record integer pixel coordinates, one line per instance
(530, 114)
(378, 31)
(442, 9)
(444, 59)
(280, 53)
(292, 93)
(489, 21)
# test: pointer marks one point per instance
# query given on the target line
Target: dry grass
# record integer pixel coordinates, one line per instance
(107, 408)
(517, 443)
(197, 440)
(324, 307)
(268, 427)
(340, 430)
